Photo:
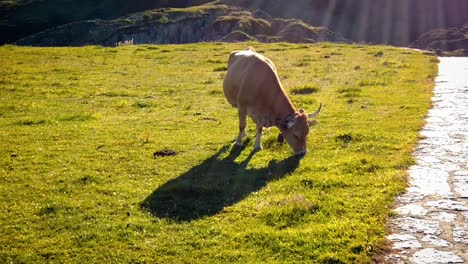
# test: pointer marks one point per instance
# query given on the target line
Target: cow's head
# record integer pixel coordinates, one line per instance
(295, 130)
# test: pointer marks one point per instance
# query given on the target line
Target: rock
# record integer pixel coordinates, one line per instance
(465, 216)
(432, 256)
(460, 233)
(396, 259)
(411, 196)
(460, 182)
(241, 21)
(448, 205)
(278, 24)
(411, 209)
(262, 14)
(404, 241)
(237, 36)
(297, 32)
(429, 181)
(414, 225)
(435, 241)
(444, 217)
(445, 41)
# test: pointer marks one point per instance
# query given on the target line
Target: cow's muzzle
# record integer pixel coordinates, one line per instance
(300, 154)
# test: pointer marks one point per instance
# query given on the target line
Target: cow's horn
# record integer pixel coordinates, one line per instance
(316, 112)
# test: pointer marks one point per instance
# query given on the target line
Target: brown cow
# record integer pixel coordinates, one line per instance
(253, 87)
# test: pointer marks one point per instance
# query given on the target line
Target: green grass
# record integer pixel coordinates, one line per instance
(79, 182)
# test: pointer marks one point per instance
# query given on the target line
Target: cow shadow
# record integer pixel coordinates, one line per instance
(216, 183)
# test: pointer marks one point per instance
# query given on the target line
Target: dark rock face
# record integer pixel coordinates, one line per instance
(170, 26)
(394, 22)
(445, 41)
(19, 19)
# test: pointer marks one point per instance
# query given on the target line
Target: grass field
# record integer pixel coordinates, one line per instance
(79, 182)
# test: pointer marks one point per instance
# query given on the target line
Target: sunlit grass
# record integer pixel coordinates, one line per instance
(79, 181)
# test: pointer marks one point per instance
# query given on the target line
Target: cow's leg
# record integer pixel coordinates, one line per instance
(258, 138)
(242, 124)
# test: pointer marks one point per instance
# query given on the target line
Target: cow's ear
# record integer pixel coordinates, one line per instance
(301, 111)
(287, 125)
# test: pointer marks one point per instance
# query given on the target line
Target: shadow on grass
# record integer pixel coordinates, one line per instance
(218, 182)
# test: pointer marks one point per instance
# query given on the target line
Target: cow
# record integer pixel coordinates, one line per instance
(253, 87)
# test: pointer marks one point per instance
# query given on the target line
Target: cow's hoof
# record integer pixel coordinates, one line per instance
(280, 138)
(257, 148)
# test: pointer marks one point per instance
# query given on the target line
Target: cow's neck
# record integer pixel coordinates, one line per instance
(283, 110)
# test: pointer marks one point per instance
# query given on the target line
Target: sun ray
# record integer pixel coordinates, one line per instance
(387, 22)
(441, 19)
(403, 27)
(363, 21)
(327, 18)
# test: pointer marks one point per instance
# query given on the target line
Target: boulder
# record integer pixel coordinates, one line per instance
(299, 32)
(237, 36)
(444, 41)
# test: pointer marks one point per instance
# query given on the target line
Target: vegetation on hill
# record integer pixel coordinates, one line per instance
(119, 155)
(182, 25)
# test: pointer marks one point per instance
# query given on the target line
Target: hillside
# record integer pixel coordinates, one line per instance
(395, 22)
(20, 18)
(183, 25)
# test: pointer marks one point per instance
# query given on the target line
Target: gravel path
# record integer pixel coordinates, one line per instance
(431, 222)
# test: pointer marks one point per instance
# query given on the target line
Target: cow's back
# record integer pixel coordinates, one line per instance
(250, 77)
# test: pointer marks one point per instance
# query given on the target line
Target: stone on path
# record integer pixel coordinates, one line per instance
(443, 216)
(435, 241)
(448, 205)
(433, 256)
(460, 234)
(404, 241)
(429, 181)
(412, 210)
(415, 225)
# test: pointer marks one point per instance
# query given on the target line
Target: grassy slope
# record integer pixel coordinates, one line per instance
(78, 179)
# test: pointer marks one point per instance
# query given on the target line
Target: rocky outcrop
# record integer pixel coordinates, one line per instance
(394, 22)
(448, 41)
(19, 19)
(242, 21)
(187, 25)
(237, 36)
(297, 31)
